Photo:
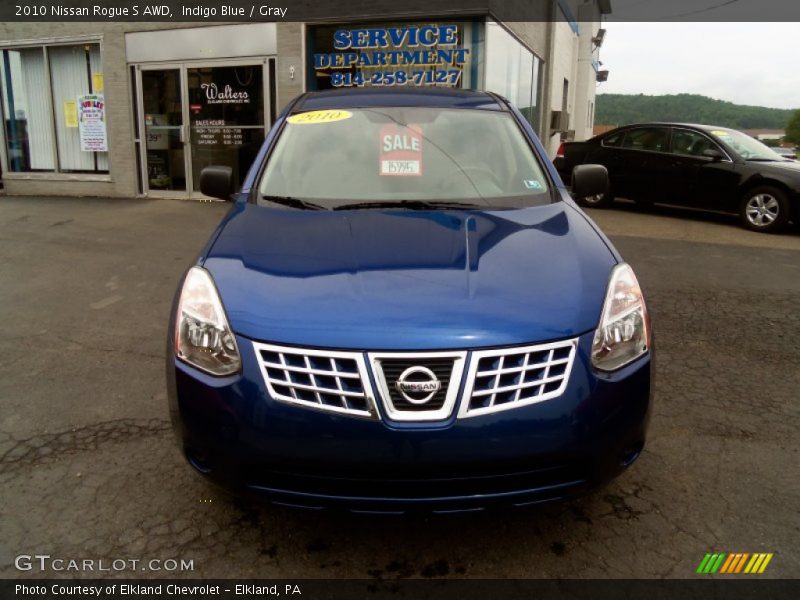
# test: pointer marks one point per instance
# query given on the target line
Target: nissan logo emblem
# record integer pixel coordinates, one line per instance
(418, 384)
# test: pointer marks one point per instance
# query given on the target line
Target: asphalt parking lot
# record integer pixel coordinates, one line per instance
(89, 467)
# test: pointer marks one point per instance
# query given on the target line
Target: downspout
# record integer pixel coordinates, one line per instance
(547, 100)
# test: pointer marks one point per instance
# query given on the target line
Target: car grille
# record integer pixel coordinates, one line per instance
(512, 377)
(394, 368)
(446, 367)
(325, 380)
(339, 382)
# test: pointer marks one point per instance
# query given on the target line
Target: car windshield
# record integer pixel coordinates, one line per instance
(747, 147)
(410, 157)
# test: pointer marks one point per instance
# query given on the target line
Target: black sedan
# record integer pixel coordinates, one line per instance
(786, 153)
(698, 166)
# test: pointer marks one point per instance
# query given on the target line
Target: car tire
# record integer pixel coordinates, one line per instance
(764, 209)
(597, 201)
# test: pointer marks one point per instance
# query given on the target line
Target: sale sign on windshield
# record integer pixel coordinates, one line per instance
(400, 150)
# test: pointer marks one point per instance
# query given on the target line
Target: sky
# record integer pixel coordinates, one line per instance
(745, 63)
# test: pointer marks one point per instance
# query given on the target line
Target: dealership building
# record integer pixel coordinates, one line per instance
(124, 109)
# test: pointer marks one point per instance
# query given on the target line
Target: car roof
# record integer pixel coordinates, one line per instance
(673, 124)
(342, 98)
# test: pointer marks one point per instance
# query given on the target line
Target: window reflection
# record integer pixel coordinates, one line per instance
(29, 134)
(513, 71)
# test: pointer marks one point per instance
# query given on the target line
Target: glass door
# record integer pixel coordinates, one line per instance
(226, 117)
(195, 115)
(162, 117)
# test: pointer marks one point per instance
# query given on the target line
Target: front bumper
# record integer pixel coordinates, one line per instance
(233, 432)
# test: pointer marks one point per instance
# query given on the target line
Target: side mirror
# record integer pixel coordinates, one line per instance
(589, 180)
(217, 181)
(712, 153)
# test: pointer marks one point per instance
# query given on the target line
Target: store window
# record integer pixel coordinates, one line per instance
(54, 109)
(513, 71)
(28, 127)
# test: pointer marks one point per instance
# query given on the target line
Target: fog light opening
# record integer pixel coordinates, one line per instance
(630, 456)
(198, 460)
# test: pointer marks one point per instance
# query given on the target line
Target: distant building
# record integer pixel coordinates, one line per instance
(138, 109)
(601, 129)
(766, 134)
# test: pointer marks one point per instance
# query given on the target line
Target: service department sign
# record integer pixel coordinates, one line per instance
(422, 55)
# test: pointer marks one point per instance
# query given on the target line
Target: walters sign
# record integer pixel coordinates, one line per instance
(224, 95)
(387, 56)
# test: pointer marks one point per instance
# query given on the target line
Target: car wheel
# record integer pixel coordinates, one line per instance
(596, 201)
(764, 209)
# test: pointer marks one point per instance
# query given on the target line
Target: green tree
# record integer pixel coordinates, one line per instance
(622, 109)
(793, 129)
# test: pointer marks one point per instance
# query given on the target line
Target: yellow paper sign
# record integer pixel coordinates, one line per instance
(70, 114)
(319, 116)
(97, 83)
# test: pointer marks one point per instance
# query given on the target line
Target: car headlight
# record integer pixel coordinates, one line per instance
(203, 337)
(624, 331)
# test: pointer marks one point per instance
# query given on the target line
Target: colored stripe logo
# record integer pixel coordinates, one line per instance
(734, 563)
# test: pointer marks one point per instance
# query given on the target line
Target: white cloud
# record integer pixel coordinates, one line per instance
(745, 63)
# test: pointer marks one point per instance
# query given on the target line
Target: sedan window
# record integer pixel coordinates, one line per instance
(653, 139)
(748, 148)
(690, 143)
(614, 140)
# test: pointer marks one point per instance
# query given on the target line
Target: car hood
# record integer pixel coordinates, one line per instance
(789, 168)
(404, 279)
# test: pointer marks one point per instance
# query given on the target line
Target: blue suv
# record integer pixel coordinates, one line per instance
(404, 308)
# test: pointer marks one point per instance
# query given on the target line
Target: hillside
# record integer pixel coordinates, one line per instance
(621, 109)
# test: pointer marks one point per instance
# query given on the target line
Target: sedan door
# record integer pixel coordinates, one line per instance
(606, 152)
(700, 181)
(642, 163)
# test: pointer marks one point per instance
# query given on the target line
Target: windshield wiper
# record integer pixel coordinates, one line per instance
(409, 204)
(293, 202)
(761, 159)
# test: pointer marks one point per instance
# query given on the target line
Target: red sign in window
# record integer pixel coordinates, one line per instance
(400, 150)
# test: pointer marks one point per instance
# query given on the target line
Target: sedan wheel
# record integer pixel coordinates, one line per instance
(764, 209)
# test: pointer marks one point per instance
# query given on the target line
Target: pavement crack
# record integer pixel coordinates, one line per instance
(49, 447)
